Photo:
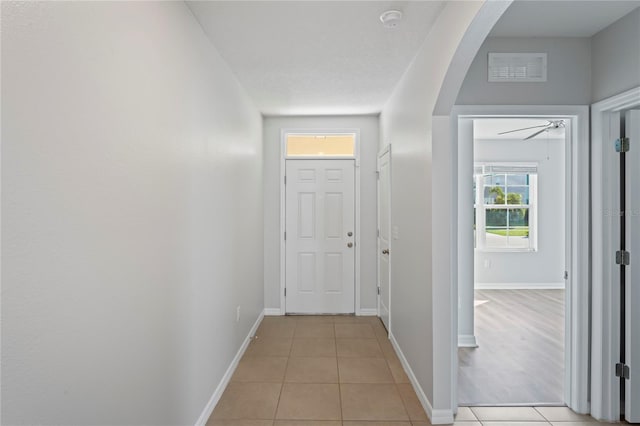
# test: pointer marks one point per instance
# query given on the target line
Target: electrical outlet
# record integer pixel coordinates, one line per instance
(238, 314)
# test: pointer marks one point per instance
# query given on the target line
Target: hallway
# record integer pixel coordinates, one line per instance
(329, 368)
(144, 221)
(333, 370)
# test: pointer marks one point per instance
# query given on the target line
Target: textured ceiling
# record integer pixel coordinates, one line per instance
(316, 57)
(525, 18)
(335, 57)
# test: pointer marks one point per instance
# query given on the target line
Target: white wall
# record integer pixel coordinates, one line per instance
(568, 73)
(131, 214)
(421, 170)
(615, 57)
(544, 267)
(580, 70)
(369, 136)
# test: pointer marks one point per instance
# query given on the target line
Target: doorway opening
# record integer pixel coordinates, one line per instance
(519, 264)
(522, 276)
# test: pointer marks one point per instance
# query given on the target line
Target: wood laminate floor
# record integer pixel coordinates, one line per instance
(520, 358)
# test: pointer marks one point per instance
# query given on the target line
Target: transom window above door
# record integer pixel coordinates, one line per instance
(320, 145)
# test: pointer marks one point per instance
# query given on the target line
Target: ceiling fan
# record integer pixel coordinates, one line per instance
(552, 124)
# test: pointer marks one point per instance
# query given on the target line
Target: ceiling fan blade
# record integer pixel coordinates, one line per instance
(525, 128)
(536, 134)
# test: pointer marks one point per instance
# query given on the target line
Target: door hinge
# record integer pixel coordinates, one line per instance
(622, 257)
(622, 371)
(566, 275)
(622, 145)
(285, 179)
(378, 290)
(285, 235)
(377, 174)
(285, 292)
(378, 233)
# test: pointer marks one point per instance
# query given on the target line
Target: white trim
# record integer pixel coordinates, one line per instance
(435, 416)
(357, 222)
(217, 394)
(577, 294)
(368, 312)
(625, 100)
(272, 312)
(355, 135)
(481, 206)
(323, 157)
(467, 341)
(441, 417)
(283, 159)
(605, 297)
(283, 223)
(384, 151)
(520, 286)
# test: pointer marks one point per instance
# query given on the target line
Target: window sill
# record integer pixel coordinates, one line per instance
(506, 250)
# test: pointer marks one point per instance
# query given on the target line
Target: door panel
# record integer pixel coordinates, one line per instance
(632, 281)
(384, 239)
(320, 215)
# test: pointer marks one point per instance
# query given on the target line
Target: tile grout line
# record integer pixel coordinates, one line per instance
(275, 414)
(542, 414)
(402, 400)
(338, 370)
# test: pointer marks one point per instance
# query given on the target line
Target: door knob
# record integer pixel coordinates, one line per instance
(385, 251)
(349, 245)
(349, 234)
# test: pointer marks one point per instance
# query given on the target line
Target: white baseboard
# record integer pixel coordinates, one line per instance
(436, 417)
(368, 312)
(217, 394)
(272, 312)
(467, 341)
(442, 417)
(519, 286)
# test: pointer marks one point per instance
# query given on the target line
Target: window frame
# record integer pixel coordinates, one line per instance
(354, 134)
(480, 207)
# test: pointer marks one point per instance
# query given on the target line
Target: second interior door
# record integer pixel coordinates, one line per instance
(320, 236)
(384, 231)
(632, 277)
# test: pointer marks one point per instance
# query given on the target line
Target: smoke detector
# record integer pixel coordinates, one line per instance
(391, 18)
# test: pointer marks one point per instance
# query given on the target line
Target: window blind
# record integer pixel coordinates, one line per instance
(497, 169)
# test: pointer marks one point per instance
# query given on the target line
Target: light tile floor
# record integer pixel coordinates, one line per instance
(341, 371)
(521, 416)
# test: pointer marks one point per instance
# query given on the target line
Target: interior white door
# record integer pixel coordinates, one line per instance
(320, 236)
(632, 279)
(384, 232)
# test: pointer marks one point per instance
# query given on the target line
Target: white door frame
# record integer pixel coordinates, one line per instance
(283, 159)
(605, 340)
(382, 152)
(577, 207)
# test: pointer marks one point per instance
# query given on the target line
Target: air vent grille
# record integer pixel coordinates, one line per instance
(517, 67)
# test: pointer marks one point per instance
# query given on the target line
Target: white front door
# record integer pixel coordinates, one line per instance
(632, 275)
(320, 236)
(384, 232)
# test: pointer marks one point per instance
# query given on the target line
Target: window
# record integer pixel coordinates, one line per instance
(320, 145)
(505, 207)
